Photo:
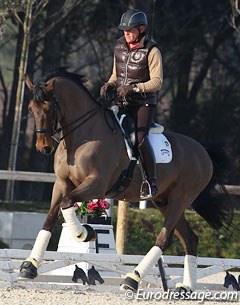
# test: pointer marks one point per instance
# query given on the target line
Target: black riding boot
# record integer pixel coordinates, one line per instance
(149, 187)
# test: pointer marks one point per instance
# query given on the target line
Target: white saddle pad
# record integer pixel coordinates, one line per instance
(160, 144)
(161, 147)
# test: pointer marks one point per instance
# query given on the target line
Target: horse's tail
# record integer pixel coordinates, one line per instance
(215, 204)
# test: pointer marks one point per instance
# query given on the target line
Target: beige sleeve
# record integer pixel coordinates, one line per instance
(156, 72)
(113, 77)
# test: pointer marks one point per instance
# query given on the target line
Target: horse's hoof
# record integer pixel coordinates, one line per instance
(28, 270)
(183, 291)
(130, 282)
(91, 234)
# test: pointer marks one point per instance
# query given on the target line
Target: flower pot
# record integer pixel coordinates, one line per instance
(103, 220)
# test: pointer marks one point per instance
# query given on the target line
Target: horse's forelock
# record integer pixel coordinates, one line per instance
(39, 93)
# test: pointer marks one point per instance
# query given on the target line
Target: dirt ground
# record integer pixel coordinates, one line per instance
(208, 294)
(210, 291)
(36, 296)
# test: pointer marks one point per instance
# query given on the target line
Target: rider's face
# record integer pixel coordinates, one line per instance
(131, 35)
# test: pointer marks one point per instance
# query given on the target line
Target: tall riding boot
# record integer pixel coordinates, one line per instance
(149, 187)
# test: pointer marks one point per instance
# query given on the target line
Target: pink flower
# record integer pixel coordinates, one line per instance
(77, 205)
(96, 207)
(92, 206)
(103, 204)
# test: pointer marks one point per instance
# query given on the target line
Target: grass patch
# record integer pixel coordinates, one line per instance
(145, 225)
(24, 206)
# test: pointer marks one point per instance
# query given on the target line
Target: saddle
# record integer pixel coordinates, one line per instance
(111, 101)
(128, 128)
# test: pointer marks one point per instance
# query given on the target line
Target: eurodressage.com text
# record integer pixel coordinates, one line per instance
(199, 296)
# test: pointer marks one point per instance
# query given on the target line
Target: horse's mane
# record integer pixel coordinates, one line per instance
(39, 94)
(62, 72)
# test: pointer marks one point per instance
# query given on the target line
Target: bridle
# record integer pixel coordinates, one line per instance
(82, 119)
(55, 109)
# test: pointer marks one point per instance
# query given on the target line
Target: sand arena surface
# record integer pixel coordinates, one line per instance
(34, 296)
(40, 292)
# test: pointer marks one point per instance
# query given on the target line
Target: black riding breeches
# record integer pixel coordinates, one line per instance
(143, 118)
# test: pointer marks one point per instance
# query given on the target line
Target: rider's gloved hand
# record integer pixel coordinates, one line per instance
(104, 88)
(124, 90)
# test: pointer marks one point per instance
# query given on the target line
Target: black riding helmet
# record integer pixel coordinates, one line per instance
(132, 18)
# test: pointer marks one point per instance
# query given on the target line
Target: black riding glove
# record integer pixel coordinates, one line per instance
(124, 90)
(104, 88)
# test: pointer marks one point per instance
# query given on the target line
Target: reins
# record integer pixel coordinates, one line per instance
(90, 114)
(84, 118)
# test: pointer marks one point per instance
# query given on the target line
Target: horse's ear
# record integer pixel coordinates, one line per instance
(28, 82)
(50, 85)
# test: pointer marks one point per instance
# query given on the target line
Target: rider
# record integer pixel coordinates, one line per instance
(137, 75)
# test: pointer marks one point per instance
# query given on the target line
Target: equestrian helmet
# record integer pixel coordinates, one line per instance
(132, 18)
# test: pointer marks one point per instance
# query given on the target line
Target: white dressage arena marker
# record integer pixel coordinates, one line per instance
(104, 244)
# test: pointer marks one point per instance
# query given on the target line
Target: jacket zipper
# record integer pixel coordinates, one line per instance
(125, 78)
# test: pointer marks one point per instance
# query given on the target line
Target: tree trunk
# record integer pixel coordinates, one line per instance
(19, 98)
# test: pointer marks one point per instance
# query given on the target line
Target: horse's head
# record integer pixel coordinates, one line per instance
(43, 108)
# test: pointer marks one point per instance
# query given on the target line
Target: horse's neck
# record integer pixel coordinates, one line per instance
(76, 105)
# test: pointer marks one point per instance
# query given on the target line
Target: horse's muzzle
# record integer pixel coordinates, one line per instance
(46, 150)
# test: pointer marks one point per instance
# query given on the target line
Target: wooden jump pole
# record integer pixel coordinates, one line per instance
(121, 230)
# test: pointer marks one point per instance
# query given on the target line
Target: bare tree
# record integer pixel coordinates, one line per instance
(235, 14)
(32, 9)
(19, 96)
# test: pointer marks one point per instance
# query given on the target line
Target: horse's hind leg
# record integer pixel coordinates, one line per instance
(189, 242)
(174, 211)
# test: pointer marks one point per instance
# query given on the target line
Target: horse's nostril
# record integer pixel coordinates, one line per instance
(46, 150)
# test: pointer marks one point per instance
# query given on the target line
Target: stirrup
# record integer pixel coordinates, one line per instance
(146, 190)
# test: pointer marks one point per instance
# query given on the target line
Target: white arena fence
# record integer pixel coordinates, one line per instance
(117, 265)
(27, 176)
(51, 177)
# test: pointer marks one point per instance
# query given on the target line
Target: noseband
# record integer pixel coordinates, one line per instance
(56, 109)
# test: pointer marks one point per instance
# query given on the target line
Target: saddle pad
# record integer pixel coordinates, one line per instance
(161, 147)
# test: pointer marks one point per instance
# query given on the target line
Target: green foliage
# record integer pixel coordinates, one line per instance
(25, 206)
(144, 225)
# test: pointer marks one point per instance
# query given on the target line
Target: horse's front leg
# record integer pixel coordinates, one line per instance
(29, 267)
(89, 189)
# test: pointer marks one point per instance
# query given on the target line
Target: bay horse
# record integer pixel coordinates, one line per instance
(90, 158)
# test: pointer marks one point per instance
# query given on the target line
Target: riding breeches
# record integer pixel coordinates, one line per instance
(143, 118)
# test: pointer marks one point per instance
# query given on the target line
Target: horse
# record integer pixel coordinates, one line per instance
(90, 158)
